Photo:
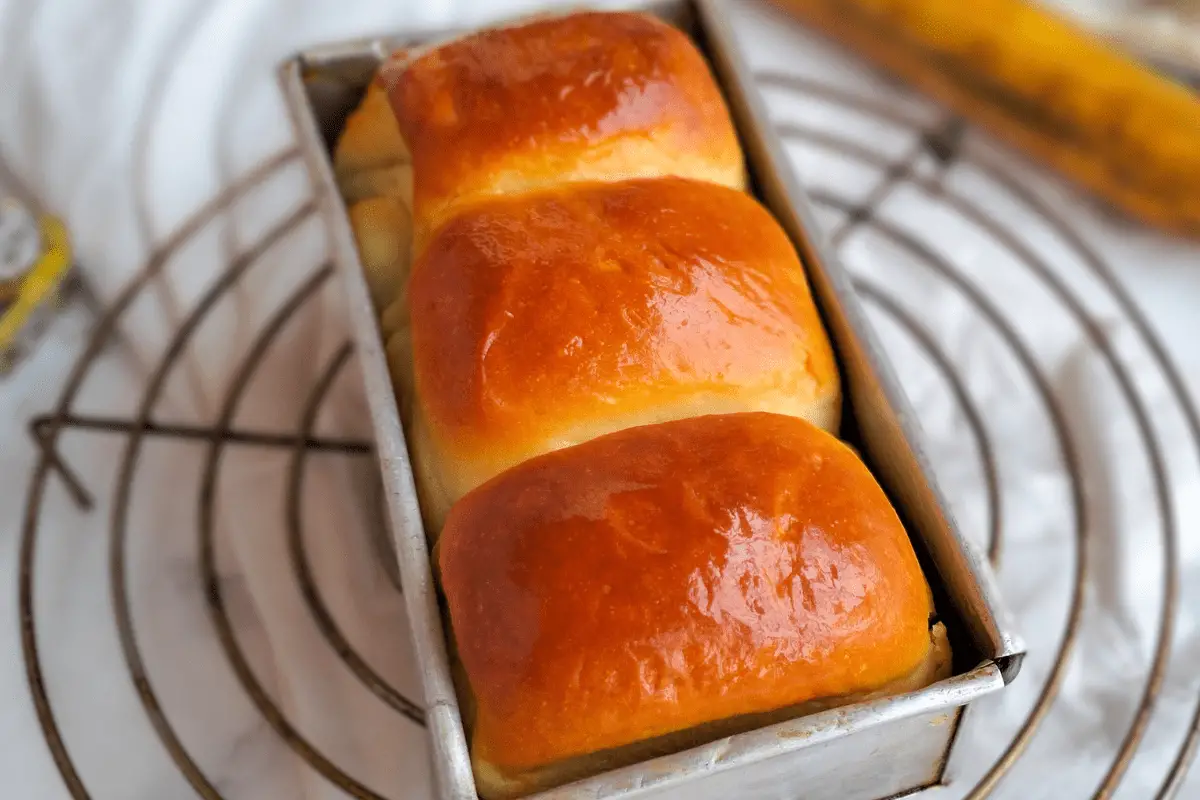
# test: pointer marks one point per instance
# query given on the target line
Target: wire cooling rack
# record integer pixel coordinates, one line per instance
(924, 172)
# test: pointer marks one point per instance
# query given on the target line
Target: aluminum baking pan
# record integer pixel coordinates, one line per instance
(868, 751)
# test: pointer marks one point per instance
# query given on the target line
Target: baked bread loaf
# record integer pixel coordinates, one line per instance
(621, 406)
(545, 319)
(671, 584)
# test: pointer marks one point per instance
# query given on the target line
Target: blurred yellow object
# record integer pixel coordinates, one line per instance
(32, 280)
(1063, 96)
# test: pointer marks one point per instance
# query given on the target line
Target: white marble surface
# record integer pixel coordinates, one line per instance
(219, 116)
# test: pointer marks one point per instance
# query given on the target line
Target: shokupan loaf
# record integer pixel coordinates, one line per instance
(666, 585)
(621, 406)
(545, 319)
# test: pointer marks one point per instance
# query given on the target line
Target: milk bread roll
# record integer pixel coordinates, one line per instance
(545, 319)
(591, 96)
(667, 585)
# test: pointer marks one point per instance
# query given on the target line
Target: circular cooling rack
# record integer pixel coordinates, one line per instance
(946, 174)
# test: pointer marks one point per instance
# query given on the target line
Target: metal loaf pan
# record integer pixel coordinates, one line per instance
(868, 751)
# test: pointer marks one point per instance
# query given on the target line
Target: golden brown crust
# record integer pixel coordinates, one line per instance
(587, 96)
(547, 319)
(675, 575)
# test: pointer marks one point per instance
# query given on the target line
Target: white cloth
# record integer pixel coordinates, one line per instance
(126, 117)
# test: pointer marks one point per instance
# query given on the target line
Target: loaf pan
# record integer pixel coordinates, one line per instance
(869, 751)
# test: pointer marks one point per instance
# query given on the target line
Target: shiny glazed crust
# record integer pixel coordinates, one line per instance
(547, 319)
(589, 96)
(679, 580)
